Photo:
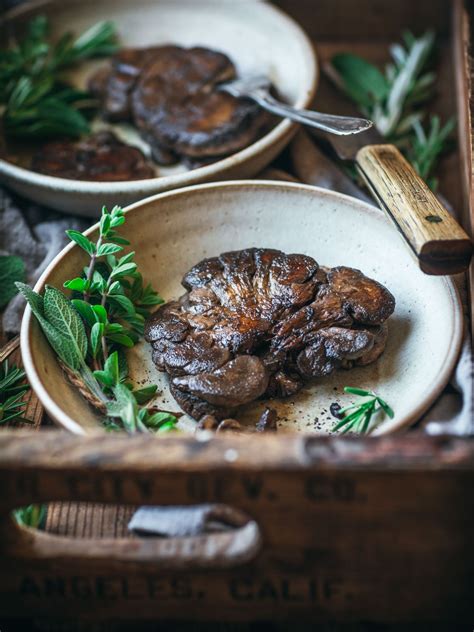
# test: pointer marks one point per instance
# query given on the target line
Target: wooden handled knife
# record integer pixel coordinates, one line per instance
(437, 240)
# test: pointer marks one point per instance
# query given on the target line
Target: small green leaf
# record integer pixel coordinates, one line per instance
(112, 367)
(124, 302)
(121, 339)
(143, 395)
(124, 407)
(82, 241)
(97, 332)
(158, 419)
(115, 328)
(126, 258)
(100, 313)
(118, 240)
(77, 284)
(104, 378)
(386, 407)
(117, 221)
(356, 391)
(123, 270)
(85, 310)
(104, 224)
(98, 281)
(12, 270)
(108, 249)
(167, 427)
(115, 288)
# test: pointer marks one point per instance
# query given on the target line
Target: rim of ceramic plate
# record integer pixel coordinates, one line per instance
(429, 396)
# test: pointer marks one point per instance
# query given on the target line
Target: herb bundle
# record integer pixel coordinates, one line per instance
(358, 417)
(105, 316)
(394, 99)
(12, 389)
(35, 100)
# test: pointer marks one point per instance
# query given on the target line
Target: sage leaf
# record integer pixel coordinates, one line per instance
(61, 314)
(362, 80)
(12, 269)
(61, 340)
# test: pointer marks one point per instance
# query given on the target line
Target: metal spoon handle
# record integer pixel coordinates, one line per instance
(340, 125)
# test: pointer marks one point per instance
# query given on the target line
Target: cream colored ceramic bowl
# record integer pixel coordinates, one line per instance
(258, 37)
(172, 231)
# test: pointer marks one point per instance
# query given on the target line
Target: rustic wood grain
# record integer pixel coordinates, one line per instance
(274, 581)
(345, 524)
(463, 25)
(440, 244)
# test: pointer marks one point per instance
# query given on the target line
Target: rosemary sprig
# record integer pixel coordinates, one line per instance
(36, 101)
(12, 389)
(106, 316)
(394, 99)
(358, 416)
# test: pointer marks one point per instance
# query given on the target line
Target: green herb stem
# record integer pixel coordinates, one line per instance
(358, 417)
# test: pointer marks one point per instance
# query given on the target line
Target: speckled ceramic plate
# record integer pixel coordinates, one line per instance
(172, 231)
(258, 37)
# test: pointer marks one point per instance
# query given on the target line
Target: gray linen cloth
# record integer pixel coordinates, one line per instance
(37, 235)
(34, 234)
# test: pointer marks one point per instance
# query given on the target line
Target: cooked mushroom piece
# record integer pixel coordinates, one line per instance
(171, 95)
(101, 157)
(260, 323)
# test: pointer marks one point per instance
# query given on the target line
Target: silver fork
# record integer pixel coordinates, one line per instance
(258, 89)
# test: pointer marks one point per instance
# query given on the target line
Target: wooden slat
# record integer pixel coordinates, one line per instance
(345, 524)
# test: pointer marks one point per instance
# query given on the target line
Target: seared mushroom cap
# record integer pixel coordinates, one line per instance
(259, 322)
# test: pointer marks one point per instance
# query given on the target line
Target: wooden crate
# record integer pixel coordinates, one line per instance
(376, 530)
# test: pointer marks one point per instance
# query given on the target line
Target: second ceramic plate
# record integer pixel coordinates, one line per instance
(259, 38)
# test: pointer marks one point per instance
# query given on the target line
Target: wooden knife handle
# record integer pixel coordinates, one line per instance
(437, 240)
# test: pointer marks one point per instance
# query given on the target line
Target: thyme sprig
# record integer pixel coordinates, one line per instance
(358, 417)
(394, 99)
(34, 97)
(12, 389)
(105, 316)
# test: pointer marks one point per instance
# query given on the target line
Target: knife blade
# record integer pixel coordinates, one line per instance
(436, 239)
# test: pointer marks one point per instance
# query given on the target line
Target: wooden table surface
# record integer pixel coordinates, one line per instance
(94, 520)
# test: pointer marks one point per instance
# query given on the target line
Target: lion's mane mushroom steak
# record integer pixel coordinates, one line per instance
(101, 157)
(259, 322)
(170, 94)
